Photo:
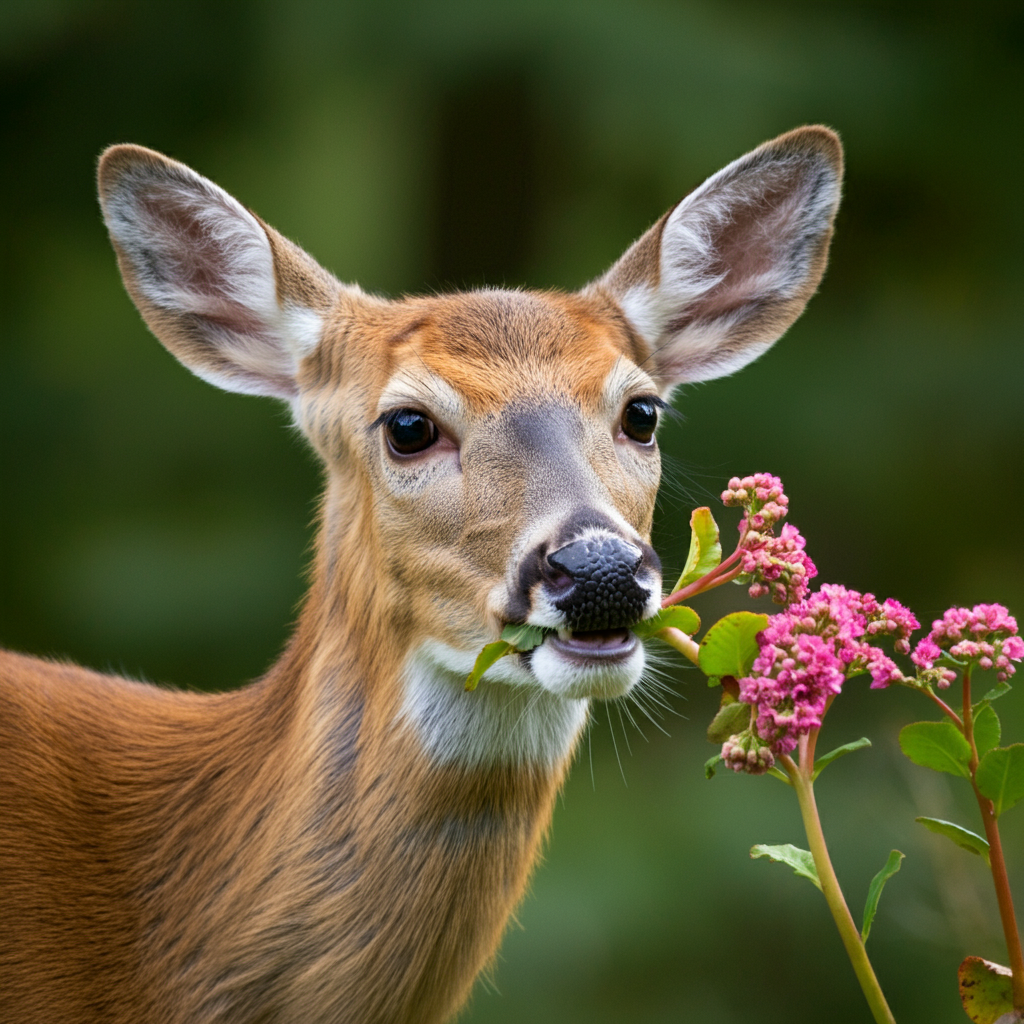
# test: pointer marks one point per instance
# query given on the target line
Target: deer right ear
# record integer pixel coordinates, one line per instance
(724, 273)
(232, 299)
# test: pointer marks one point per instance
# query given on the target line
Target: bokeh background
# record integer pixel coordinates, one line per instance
(152, 525)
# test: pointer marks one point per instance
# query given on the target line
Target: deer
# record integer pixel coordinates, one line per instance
(346, 838)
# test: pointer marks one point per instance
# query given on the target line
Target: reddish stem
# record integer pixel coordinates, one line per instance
(945, 707)
(995, 853)
(812, 738)
(1003, 896)
(722, 573)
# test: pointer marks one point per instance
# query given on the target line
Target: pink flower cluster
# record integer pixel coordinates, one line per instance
(806, 654)
(776, 565)
(985, 635)
(763, 497)
(747, 752)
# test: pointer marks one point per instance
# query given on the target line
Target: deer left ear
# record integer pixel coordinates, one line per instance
(236, 302)
(724, 273)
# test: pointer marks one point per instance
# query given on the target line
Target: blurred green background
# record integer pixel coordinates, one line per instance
(152, 525)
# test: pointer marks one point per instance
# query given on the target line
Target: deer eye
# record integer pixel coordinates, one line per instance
(639, 419)
(409, 431)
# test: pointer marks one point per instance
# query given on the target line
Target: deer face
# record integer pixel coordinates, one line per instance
(507, 440)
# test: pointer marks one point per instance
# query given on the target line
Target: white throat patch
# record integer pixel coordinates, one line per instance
(506, 720)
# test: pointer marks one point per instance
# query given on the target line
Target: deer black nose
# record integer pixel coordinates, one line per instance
(605, 593)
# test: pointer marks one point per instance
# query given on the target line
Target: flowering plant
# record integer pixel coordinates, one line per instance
(780, 674)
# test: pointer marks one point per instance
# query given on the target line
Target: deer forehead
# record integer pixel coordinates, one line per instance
(470, 355)
(529, 387)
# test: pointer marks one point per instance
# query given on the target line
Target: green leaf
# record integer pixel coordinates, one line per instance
(938, 745)
(963, 837)
(847, 748)
(997, 691)
(986, 990)
(1000, 776)
(524, 637)
(730, 646)
(987, 730)
(892, 865)
(515, 638)
(733, 717)
(710, 765)
(799, 860)
(676, 616)
(485, 659)
(705, 548)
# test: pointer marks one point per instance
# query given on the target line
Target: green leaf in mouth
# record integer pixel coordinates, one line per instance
(485, 659)
(515, 639)
(524, 637)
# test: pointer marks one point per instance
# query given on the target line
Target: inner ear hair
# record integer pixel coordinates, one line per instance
(232, 299)
(726, 271)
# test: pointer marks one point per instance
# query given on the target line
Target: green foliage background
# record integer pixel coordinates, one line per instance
(153, 525)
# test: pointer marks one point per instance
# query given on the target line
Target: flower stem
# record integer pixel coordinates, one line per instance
(681, 642)
(801, 780)
(1003, 897)
(722, 573)
(998, 863)
(945, 707)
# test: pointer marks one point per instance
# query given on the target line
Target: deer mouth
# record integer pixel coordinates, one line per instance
(605, 646)
(597, 664)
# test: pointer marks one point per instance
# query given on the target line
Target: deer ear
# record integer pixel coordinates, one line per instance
(232, 299)
(723, 274)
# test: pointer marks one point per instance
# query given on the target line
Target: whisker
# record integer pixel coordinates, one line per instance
(625, 735)
(611, 729)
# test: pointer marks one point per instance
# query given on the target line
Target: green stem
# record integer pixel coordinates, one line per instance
(684, 644)
(801, 780)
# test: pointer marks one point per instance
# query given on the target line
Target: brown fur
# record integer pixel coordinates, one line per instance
(291, 851)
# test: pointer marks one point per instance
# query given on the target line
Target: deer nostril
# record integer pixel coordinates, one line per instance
(559, 580)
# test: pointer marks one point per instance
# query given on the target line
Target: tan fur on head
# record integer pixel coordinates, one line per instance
(345, 839)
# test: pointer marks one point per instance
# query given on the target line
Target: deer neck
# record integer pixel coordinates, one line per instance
(427, 806)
